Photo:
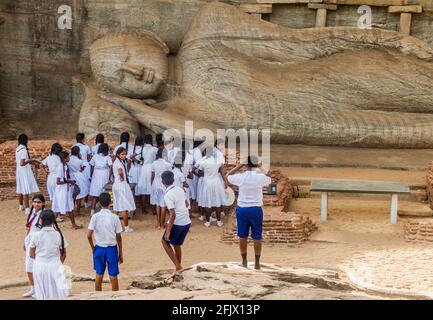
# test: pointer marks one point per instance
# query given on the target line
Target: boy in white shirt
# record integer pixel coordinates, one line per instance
(179, 221)
(106, 227)
(249, 213)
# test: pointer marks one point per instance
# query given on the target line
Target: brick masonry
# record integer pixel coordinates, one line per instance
(418, 230)
(37, 150)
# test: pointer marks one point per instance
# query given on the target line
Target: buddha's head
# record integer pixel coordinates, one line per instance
(130, 65)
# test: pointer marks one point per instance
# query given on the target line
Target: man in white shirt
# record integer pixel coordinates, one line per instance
(179, 221)
(106, 228)
(249, 213)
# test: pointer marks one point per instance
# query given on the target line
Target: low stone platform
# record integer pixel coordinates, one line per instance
(418, 230)
(278, 227)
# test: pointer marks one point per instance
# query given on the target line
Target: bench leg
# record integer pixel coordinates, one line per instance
(324, 207)
(394, 208)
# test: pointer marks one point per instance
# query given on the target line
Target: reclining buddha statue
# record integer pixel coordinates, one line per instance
(337, 86)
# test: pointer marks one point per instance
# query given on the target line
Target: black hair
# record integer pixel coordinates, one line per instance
(104, 199)
(99, 138)
(80, 137)
(75, 151)
(24, 139)
(63, 155)
(197, 143)
(253, 162)
(124, 137)
(56, 148)
(118, 152)
(48, 218)
(138, 142)
(219, 141)
(159, 140)
(38, 196)
(167, 178)
(103, 148)
(159, 153)
(148, 139)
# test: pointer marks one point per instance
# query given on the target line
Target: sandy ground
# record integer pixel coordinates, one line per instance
(355, 226)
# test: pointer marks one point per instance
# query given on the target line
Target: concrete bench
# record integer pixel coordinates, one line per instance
(353, 186)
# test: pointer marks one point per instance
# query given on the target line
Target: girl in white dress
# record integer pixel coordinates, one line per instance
(32, 226)
(76, 170)
(187, 170)
(198, 177)
(158, 190)
(86, 155)
(144, 183)
(124, 143)
(212, 197)
(26, 182)
(101, 171)
(136, 162)
(50, 164)
(123, 199)
(98, 141)
(63, 203)
(48, 249)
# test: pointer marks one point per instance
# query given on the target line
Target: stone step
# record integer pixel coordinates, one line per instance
(416, 212)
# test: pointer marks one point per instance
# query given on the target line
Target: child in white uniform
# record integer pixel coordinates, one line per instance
(144, 184)
(101, 171)
(187, 169)
(136, 162)
(76, 167)
(32, 226)
(212, 197)
(98, 141)
(26, 182)
(179, 222)
(122, 194)
(48, 249)
(157, 197)
(63, 202)
(50, 164)
(86, 155)
(124, 143)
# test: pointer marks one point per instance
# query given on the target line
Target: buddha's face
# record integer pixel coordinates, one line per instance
(130, 65)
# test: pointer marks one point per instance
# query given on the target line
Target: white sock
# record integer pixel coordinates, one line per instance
(27, 211)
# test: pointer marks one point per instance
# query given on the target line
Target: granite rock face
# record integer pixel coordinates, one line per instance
(38, 62)
(339, 86)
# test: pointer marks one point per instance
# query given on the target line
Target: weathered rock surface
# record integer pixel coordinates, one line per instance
(38, 61)
(218, 281)
(329, 86)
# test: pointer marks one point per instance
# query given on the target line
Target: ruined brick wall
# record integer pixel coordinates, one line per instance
(37, 150)
(278, 227)
(418, 230)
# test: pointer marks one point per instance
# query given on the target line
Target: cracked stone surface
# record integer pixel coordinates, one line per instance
(231, 281)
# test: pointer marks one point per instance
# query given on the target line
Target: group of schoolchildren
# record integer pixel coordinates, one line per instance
(163, 176)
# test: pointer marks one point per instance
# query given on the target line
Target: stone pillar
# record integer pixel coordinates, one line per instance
(405, 22)
(405, 15)
(321, 18)
(321, 12)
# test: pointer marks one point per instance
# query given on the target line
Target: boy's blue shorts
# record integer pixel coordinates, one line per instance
(177, 234)
(250, 218)
(106, 256)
